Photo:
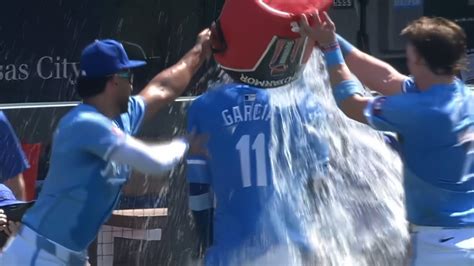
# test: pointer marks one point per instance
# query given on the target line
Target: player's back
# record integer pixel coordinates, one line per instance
(238, 119)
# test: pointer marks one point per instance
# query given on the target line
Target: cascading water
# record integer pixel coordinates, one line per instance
(353, 213)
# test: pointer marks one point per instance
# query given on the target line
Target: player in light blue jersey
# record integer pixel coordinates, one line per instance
(250, 219)
(93, 152)
(250, 223)
(433, 114)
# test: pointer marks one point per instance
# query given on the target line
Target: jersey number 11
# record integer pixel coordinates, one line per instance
(243, 146)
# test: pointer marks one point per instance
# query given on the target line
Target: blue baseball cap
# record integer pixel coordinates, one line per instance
(105, 57)
(7, 197)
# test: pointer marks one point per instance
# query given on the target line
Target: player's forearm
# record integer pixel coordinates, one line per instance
(372, 72)
(338, 74)
(155, 160)
(175, 79)
(347, 93)
(172, 82)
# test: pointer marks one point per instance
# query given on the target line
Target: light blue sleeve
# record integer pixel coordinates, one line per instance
(131, 121)
(409, 86)
(197, 166)
(136, 111)
(98, 136)
(392, 113)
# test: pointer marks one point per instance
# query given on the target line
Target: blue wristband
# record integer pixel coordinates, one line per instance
(346, 89)
(334, 57)
(346, 47)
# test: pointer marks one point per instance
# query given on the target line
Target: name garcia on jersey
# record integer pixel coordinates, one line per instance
(246, 113)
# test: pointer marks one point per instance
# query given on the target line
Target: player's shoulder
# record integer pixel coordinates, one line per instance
(136, 101)
(226, 91)
(409, 86)
(2, 116)
(3, 119)
(5, 126)
(212, 96)
(82, 117)
(404, 107)
(223, 96)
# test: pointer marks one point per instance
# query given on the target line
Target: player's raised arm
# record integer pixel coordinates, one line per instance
(154, 159)
(372, 72)
(111, 144)
(346, 91)
(171, 83)
(158, 158)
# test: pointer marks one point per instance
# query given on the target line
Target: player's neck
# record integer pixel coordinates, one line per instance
(103, 106)
(429, 79)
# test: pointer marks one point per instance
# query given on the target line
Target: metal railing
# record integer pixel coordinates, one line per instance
(9, 106)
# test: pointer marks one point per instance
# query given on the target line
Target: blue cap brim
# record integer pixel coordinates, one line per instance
(7, 202)
(134, 64)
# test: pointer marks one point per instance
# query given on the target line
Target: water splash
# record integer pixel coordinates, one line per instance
(354, 213)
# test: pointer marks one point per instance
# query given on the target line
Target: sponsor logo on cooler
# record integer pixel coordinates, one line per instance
(266, 83)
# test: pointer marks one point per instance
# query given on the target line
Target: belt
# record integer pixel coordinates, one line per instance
(70, 257)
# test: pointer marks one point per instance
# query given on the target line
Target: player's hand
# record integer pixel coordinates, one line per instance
(12, 228)
(3, 220)
(198, 144)
(323, 31)
(204, 42)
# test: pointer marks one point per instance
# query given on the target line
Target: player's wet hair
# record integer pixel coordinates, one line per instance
(441, 43)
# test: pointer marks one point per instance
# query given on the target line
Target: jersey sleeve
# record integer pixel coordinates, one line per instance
(131, 121)
(12, 158)
(197, 165)
(409, 86)
(99, 137)
(392, 113)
